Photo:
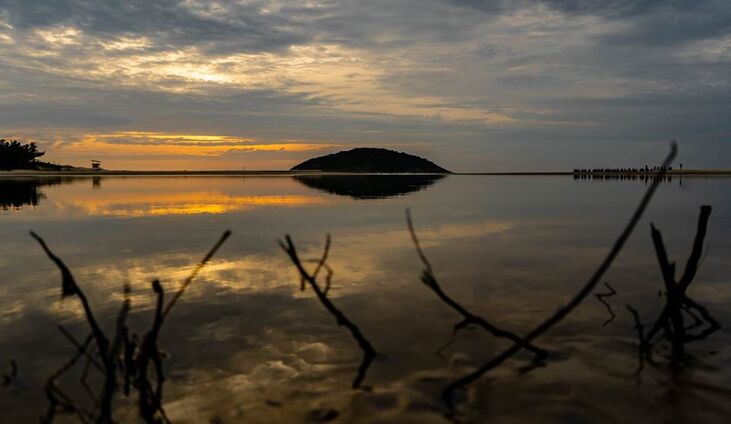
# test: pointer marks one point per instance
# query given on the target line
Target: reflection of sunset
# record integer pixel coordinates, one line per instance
(190, 203)
(129, 197)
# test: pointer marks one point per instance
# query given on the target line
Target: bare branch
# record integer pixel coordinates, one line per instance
(641, 337)
(691, 267)
(671, 319)
(77, 345)
(195, 272)
(576, 300)
(369, 353)
(69, 287)
(600, 297)
(431, 282)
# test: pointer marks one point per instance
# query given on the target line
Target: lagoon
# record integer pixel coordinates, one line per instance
(244, 344)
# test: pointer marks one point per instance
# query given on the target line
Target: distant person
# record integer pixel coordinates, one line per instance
(681, 165)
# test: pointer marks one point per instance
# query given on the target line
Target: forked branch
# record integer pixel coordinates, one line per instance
(672, 319)
(111, 349)
(468, 318)
(577, 299)
(600, 297)
(369, 353)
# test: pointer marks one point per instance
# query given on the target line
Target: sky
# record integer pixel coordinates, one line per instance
(493, 85)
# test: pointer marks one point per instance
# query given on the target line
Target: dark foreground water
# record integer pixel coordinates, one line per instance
(244, 344)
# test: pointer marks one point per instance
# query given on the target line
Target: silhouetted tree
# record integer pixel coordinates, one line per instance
(15, 155)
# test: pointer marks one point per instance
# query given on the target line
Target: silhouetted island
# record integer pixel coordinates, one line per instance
(368, 159)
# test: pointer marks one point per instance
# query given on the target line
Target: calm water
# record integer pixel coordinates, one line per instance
(246, 345)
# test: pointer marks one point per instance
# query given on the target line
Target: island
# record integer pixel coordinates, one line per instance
(371, 160)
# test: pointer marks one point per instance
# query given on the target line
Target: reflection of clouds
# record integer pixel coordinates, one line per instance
(315, 353)
(264, 272)
(104, 283)
(11, 311)
(285, 387)
(354, 259)
(120, 197)
(436, 235)
(182, 204)
(244, 334)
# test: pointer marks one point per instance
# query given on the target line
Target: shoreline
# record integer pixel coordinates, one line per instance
(678, 172)
(274, 173)
(109, 173)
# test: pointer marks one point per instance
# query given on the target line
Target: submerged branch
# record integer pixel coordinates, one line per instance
(56, 397)
(468, 317)
(119, 354)
(150, 400)
(69, 288)
(691, 267)
(642, 349)
(77, 345)
(600, 297)
(195, 272)
(12, 375)
(369, 353)
(576, 300)
(671, 319)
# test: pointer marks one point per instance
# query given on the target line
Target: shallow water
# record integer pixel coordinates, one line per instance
(245, 344)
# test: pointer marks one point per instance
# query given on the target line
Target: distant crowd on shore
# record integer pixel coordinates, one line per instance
(645, 170)
(640, 176)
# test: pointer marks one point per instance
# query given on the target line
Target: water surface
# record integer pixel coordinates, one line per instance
(245, 344)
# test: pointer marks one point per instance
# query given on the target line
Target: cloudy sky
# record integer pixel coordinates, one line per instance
(475, 85)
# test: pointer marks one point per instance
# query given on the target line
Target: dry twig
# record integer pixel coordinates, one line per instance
(468, 318)
(576, 300)
(600, 297)
(369, 353)
(110, 352)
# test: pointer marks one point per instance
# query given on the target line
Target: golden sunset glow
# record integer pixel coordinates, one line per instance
(145, 143)
(142, 149)
(189, 203)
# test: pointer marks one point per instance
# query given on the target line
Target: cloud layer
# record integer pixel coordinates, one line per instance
(474, 85)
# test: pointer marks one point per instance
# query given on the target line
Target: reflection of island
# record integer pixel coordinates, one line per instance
(18, 192)
(368, 186)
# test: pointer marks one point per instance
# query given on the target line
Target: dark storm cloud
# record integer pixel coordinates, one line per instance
(646, 21)
(667, 28)
(615, 8)
(73, 103)
(85, 102)
(225, 26)
(231, 26)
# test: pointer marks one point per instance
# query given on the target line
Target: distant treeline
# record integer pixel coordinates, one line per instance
(16, 155)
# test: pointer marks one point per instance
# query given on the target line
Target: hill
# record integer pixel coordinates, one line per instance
(367, 159)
